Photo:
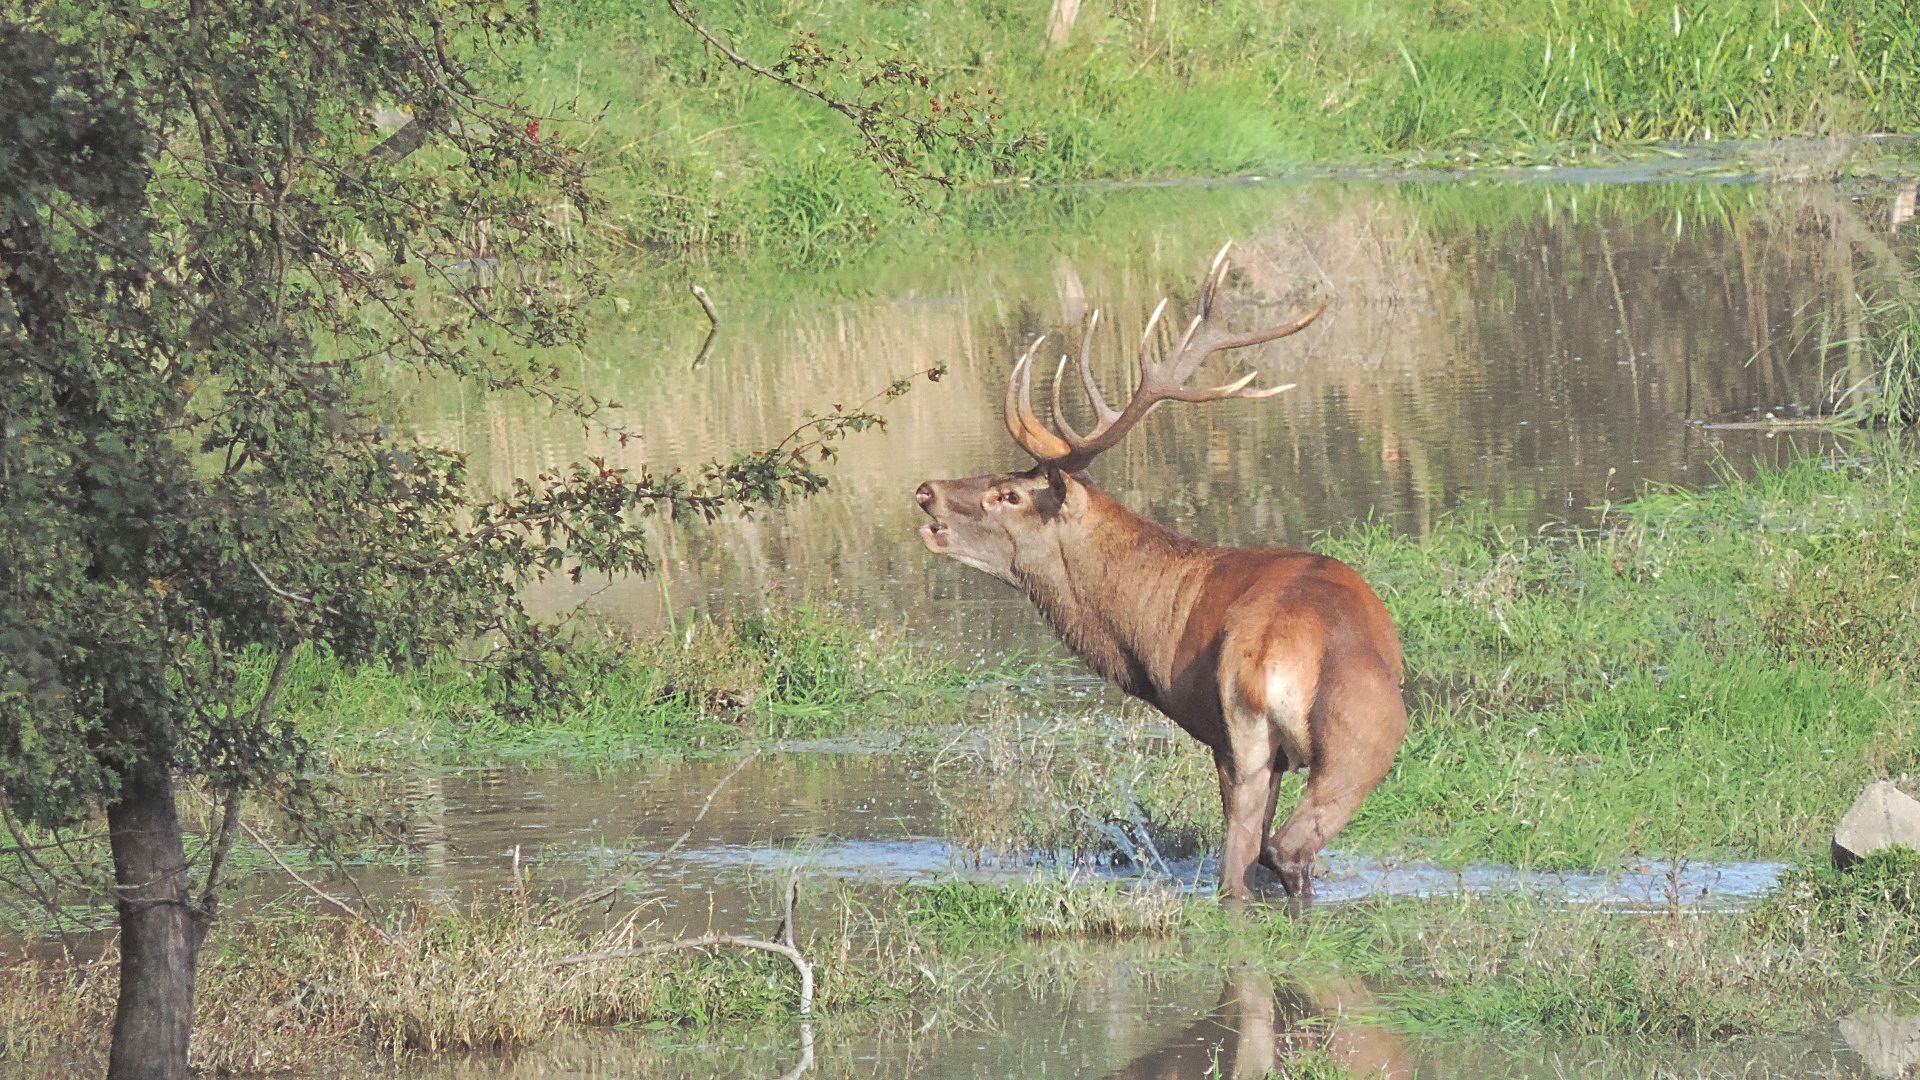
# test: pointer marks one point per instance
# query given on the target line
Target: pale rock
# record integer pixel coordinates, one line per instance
(1882, 816)
(1888, 1044)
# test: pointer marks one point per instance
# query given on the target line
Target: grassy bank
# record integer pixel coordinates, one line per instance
(282, 991)
(698, 154)
(1714, 675)
(795, 674)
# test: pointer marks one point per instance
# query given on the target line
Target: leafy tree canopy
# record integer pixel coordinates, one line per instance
(211, 258)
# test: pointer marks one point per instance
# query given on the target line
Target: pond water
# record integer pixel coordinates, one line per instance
(1530, 350)
(1112, 1012)
(708, 844)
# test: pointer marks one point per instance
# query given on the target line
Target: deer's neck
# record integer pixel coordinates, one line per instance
(1114, 588)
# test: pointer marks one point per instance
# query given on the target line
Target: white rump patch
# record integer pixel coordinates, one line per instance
(1288, 699)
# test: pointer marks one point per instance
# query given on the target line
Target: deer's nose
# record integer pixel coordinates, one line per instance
(924, 495)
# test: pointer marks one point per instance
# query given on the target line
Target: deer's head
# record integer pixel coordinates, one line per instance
(1007, 524)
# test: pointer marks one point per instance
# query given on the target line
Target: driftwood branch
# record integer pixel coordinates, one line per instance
(713, 327)
(707, 942)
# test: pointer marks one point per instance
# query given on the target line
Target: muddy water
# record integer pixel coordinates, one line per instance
(708, 845)
(1532, 350)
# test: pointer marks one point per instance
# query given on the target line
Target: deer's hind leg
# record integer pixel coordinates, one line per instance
(1356, 724)
(1265, 709)
(1244, 786)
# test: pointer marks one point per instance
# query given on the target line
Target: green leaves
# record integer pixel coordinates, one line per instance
(216, 247)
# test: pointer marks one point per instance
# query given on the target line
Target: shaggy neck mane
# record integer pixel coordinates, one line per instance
(1107, 584)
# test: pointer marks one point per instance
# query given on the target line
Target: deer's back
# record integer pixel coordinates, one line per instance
(1250, 608)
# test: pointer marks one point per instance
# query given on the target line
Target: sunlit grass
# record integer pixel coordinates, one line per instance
(696, 154)
(717, 685)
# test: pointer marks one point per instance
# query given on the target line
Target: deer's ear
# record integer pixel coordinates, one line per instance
(1057, 483)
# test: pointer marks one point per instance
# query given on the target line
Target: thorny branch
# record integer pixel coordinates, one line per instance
(704, 942)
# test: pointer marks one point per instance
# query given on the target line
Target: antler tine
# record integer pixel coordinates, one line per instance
(1059, 414)
(1179, 365)
(1146, 336)
(1238, 388)
(1027, 430)
(1102, 412)
(1216, 273)
(1065, 448)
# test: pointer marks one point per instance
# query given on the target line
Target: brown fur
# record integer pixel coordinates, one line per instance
(1274, 659)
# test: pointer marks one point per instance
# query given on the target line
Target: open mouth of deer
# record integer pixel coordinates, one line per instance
(934, 533)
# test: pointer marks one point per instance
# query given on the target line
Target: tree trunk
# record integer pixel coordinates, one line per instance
(160, 933)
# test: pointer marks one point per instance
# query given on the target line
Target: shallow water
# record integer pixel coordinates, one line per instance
(863, 818)
(1124, 1012)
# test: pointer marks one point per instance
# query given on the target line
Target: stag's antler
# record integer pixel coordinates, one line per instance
(1164, 380)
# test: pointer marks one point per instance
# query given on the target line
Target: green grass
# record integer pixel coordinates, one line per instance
(797, 674)
(1823, 944)
(1713, 675)
(694, 153)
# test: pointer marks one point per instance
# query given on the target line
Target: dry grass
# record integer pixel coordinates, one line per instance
(299, 992)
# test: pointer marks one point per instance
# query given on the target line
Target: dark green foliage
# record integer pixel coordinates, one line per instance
(211, 263)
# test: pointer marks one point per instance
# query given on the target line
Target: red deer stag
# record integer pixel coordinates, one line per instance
(1275, 659)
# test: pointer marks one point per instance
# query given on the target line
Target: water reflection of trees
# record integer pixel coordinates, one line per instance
(1534, 348)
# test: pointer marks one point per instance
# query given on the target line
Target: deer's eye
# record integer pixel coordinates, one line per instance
(1011, 498)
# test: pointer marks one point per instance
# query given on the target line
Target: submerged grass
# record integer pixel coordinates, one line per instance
(1824, 943)
(280, 992)
(1712, 675)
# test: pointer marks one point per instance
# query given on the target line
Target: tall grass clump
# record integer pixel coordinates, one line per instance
(1887, 334)
(1871, 909)
(294, 991)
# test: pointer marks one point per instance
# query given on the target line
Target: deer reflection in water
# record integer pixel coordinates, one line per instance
(1258, 1027)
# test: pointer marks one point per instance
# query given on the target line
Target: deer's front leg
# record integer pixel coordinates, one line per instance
(1243, 804)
